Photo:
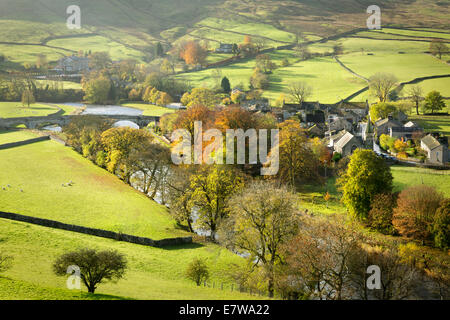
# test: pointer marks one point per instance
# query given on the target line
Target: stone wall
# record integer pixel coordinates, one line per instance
(97, 232)
(23, 143)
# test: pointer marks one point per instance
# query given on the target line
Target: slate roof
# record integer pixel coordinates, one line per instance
(344, 140)
(431, 142)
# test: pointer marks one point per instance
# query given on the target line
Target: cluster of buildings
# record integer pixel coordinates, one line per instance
(347, 126)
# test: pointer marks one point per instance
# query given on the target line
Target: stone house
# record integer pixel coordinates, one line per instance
(72, 64)
(437, 152)
(347, 144)
(225, 48)
(383, 126)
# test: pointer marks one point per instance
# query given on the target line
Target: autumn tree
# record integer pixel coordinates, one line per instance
(28, 98)
(381, 85)
(382, 110)
(211, 188)
(180, 195)
(434, 101)
(235, 117)
(366, 176)
(164, 99)
(259, 80)
(95, 266)
(265, 63)
(197, 271)
(262, 219)
(149, 165)
(438, 48)
(415, 212)
(381, 213)
(416, 96)
(99, 60)
(297, 162)
(200, 96)
(318, 259)
(441, 225)
(193, 53)
(97, 90)
(398, 280)
(186, 118)
(300, 91)
(119, 143)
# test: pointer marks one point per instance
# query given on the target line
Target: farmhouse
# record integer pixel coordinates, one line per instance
(72, 64)
(225, 48)
(437, 152)
(347, 144)
(383, 126)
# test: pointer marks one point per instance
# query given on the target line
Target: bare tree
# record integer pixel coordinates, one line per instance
(416, 96)
(438, 48)
(318, 258)
(381, 85)
(300, 91)
(262, 218)
(398, 279)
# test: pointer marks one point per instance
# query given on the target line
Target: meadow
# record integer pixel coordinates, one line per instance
(97, 198)
(433, 123)
(16, 110)
(153, 273)
(116, 50)
(149, 109)
(411, 176)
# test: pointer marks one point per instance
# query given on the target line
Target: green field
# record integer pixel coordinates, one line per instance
(433, 123)
(97, 199)
(42, 168)
(116, 50)
(152, 274)
(442, 85)
(14, 136)
(16, 110)
(410, 176)
(330, 82)
(149, 109)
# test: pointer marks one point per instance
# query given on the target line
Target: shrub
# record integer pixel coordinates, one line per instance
(441, 225)
(380, 215)
(95, 266)
(415, 212)
(197, 271)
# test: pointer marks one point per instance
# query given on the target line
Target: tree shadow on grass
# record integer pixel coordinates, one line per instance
(189, 246)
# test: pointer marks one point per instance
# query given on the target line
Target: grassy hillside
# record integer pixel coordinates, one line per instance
(97, 199)
(152, 274)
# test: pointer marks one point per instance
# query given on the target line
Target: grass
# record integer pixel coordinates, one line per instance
(64, 84)
(14, 136)
(16, 110)
(407, 176)
(22, 54)
(433, 123)
(97, 199)
(416, 33)
(116, 50)
(152, 273)
(330, 82)
(442, 85)
(149, 109)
